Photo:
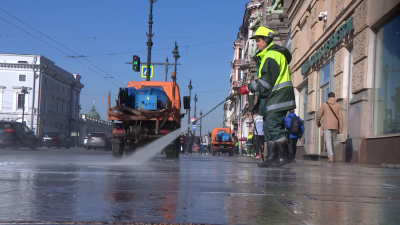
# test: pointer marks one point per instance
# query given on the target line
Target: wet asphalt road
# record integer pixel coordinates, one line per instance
(76, 185)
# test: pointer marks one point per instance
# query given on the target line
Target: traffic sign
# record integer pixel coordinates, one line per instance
(192, 119)
(143, 71)
(194, 126)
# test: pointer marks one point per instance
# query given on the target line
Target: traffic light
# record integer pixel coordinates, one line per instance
(136, 63)
(186, 102)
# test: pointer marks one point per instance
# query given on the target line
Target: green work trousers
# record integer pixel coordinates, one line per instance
(274, 126)
(249, 149)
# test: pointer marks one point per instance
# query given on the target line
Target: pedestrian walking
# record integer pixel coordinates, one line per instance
(259, 135)
(295, 126)
(184, 144)
(276, 95)
(189, 143)
(249, 144)
(205, 144)
(332, 123)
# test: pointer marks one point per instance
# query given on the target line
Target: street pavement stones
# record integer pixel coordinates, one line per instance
(87, 186)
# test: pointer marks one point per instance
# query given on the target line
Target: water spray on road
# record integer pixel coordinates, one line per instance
(144, 154)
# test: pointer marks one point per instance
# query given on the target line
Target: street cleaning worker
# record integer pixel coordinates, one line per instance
(249, 144)
(276, 94)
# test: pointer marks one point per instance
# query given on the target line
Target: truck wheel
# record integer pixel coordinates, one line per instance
(118, 150)
(230, 153)
(213, 153)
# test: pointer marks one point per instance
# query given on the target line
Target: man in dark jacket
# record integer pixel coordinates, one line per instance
(182, 141)
(276, 95)
(294, 133)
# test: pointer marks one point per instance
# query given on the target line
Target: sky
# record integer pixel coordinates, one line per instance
(109, 32)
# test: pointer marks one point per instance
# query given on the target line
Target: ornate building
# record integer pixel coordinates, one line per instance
(349, 47)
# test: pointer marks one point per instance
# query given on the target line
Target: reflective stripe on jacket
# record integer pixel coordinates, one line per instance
(274, 81)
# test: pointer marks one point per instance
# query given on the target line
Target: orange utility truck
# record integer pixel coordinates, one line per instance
(221, 141)
(145, 111)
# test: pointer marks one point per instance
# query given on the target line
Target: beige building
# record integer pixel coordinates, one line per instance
(351, 48)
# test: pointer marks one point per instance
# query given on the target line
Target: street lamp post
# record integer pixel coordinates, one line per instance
(23, 91)
(195, 100)
(190, 90)
(176, 55)
(201, 113)
(149, 42)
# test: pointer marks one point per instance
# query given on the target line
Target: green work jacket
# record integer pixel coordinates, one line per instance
(249, 140)
(274, 83)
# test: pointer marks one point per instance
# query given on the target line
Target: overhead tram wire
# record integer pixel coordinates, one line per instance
(108, 76)
(155, 49)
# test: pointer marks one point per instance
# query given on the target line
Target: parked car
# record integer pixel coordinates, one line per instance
(97, 140)
(54, 139)
(16, 135)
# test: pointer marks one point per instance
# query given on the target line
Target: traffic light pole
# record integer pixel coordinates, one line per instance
(149, 42)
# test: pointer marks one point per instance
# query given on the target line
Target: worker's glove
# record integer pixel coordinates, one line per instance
(243, 90)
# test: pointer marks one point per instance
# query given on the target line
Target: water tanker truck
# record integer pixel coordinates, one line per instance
(143, 112)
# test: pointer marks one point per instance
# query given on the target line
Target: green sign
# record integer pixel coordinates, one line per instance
(333, 40)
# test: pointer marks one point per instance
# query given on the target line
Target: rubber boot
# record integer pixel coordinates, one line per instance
(272, 156)
(283, 150)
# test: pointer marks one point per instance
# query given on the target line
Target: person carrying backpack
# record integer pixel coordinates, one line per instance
(294, 125)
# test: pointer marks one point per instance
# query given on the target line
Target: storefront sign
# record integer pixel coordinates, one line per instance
(333, 40)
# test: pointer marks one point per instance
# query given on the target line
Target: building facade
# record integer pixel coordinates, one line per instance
(51, 98)
(348, 47)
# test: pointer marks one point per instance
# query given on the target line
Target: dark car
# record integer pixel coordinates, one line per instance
(98, 140)
(16, 135)
(54, 139)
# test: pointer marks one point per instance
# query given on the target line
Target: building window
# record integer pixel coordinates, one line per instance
(326, 80)
(22, 78)
(325, 86)
(240, 75)
(45, 81)
(62, 109)
(20, 101)
(240, 53)
(387, 79)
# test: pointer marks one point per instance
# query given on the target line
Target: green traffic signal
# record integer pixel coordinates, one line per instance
(136, 63)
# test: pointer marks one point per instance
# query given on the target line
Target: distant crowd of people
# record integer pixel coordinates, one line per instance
(187, 141)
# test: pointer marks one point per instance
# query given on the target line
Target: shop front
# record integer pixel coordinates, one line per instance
(353, 52)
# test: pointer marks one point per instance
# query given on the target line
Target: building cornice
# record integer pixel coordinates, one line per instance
(16, 66)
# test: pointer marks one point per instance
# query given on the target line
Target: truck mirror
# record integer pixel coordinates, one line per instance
(186, 102)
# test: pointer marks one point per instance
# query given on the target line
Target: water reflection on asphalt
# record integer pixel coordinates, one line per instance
(193, 189)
